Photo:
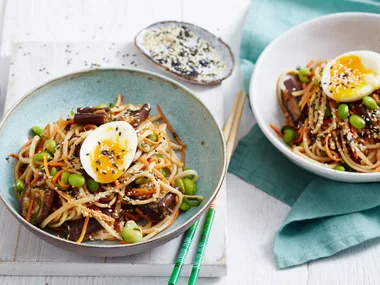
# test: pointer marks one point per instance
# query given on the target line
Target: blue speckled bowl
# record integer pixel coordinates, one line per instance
(189, 117)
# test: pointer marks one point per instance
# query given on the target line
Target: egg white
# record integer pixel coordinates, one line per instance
(370, 60)
(121, 131)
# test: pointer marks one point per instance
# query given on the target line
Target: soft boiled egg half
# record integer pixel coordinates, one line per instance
(108, 151)
(351, 76)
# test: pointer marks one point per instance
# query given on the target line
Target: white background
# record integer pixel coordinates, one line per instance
(253, 216)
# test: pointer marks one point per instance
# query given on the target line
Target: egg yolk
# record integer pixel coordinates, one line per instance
(107, 160)
(347, 75)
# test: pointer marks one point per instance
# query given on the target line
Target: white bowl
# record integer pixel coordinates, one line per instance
(320, 38)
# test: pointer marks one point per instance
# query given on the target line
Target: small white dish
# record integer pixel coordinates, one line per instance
(320, 38)
(196, 56)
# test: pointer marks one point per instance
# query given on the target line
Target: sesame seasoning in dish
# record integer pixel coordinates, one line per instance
(187, 51)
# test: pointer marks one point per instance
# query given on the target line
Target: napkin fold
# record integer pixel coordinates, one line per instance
(326, 216)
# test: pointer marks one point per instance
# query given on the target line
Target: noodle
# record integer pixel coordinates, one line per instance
(320, 134)
(146, 183)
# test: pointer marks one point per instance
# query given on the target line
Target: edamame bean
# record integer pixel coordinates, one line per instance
(289, 136)
(303, 75)
(340, 168)
(181, 185)
(76, 180)
(40, 156)
(19, 185)
(131, 232)
(92, 185)
(369, 102)
(53, 171)
(192, 203)
(190, 187)
(343, 111)
(37, 130)
(65, 178)
(357, 121)
(112, 105)
(163, 172)
(286, 127)
(188, 176)
(184, 206)
(153, 137)
(50, 146)
(142, 180)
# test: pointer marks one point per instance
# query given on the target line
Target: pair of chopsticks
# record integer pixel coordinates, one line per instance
(229, 131)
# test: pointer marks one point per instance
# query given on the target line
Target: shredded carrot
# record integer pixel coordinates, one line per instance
(308, 97)
(82, 234)
(57, 163)
(46, 166)
(34, 181)
(27, 143)
(277, 131)
(14, 155)
(63, 186)
(131, 216)
(29, 213)
(124, 242)
(356, 135)
(300, 135)
(138, 211)
(377, 169)
(57, 176)
(304, 85)
(40, 145)
(140, 192)
(173, 133)
(327, 150)
(310, 63)
(374, 96)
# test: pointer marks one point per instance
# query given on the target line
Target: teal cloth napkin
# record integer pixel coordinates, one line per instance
(326, 216)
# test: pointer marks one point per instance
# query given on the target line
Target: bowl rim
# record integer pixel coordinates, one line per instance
(166, 235)
(177, 75)
(264, 126)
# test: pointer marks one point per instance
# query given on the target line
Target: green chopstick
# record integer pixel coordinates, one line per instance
(182, 254)
(202, 245)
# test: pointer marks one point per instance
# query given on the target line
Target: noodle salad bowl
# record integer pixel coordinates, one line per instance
(140, 145)
(331, 134)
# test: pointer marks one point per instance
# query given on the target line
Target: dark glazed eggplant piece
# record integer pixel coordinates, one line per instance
(90, 118)
(292, 84)
(157, 211)
(74, 228)
(290, 102)
(42, 203)
(140, 115)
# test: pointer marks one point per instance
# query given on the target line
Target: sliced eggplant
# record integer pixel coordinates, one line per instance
(293, 84)
(292, 107)
(90, 118)
(92, 110)
(157, 211)
(139, 116)
(74, 228)
(42, 203)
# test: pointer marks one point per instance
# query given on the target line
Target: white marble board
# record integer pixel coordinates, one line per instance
(21, 253)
